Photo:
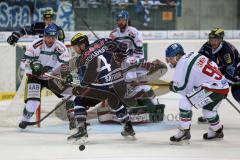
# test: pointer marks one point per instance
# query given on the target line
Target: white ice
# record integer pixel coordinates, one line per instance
(105, 141)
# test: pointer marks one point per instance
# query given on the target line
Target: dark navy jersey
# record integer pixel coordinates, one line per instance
(97, 64)
(227, 58)
(38, 29)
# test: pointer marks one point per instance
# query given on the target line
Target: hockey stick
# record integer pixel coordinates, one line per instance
(236, 108)
(88, 27)
(49, 113)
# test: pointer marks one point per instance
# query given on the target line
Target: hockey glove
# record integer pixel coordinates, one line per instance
(37, 68)
(13, 38)
(171, 87)
(69, 78)
(231, 70)
(65, 70)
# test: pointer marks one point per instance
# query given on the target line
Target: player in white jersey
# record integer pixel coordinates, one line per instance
(43, 55)
(201, 85)
(137, 56)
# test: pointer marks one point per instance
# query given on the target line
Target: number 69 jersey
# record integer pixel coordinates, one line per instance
(195, 70)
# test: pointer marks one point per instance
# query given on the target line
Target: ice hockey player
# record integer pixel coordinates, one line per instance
(206, 91)
(227, 58)
(43, 55)
(96, 64)
(36, 28)
(123, 30)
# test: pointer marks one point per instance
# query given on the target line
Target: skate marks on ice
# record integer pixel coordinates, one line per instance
(111, 145)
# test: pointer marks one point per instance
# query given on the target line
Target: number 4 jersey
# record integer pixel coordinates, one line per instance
(195, 70)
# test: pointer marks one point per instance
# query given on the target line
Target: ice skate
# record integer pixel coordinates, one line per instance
(128, 130)
(81, 134)
(214, 135)
(183, 136)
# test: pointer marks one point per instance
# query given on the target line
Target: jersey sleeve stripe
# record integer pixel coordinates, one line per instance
(187, 74)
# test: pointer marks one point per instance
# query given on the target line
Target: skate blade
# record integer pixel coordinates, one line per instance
(214, 139)
(183, 142)
(132, 138)
(79, 141)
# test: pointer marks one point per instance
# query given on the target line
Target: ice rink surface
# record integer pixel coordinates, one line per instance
(105, 141)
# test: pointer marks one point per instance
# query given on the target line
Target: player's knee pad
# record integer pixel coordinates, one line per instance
(30, 108)
(122, 114)
(33, 92)
(32, 105)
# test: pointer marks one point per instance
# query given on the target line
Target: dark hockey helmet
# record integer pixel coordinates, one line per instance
(48, 13)
(79, 38)
(123, 15)
(51, 30)
(174, 49)
(216, 33)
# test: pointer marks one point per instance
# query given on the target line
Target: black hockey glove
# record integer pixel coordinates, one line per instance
(171, 87)
(69, 78)
(13, 38)
(37, 68)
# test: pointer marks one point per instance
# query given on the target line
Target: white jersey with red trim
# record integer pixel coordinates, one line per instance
(137, 54)
(194, 70)
(129, 31)
(50, 57)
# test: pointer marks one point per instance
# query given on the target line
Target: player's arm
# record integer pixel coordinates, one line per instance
(34, 29)
(229, 63)
(61, 35)
(63, 56)
(206, 50)
(30, 59)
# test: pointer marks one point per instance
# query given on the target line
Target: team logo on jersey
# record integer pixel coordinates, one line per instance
(227, 58)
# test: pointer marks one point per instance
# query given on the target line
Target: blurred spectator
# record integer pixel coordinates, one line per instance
(169, 2)
(142, 7)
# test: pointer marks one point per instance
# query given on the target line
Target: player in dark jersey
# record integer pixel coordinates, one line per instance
(227, 58)
(100, 78)
(36, 29)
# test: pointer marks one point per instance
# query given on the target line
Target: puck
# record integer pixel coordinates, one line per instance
(81, 147)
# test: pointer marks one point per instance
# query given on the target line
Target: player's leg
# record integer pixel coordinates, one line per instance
(32, 100)
(80, 117)
(235, 89)
(211, 114)
(124, 118)
(184, 124)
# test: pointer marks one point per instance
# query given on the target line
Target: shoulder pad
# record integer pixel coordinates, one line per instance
(60, 47)
(38, 43)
